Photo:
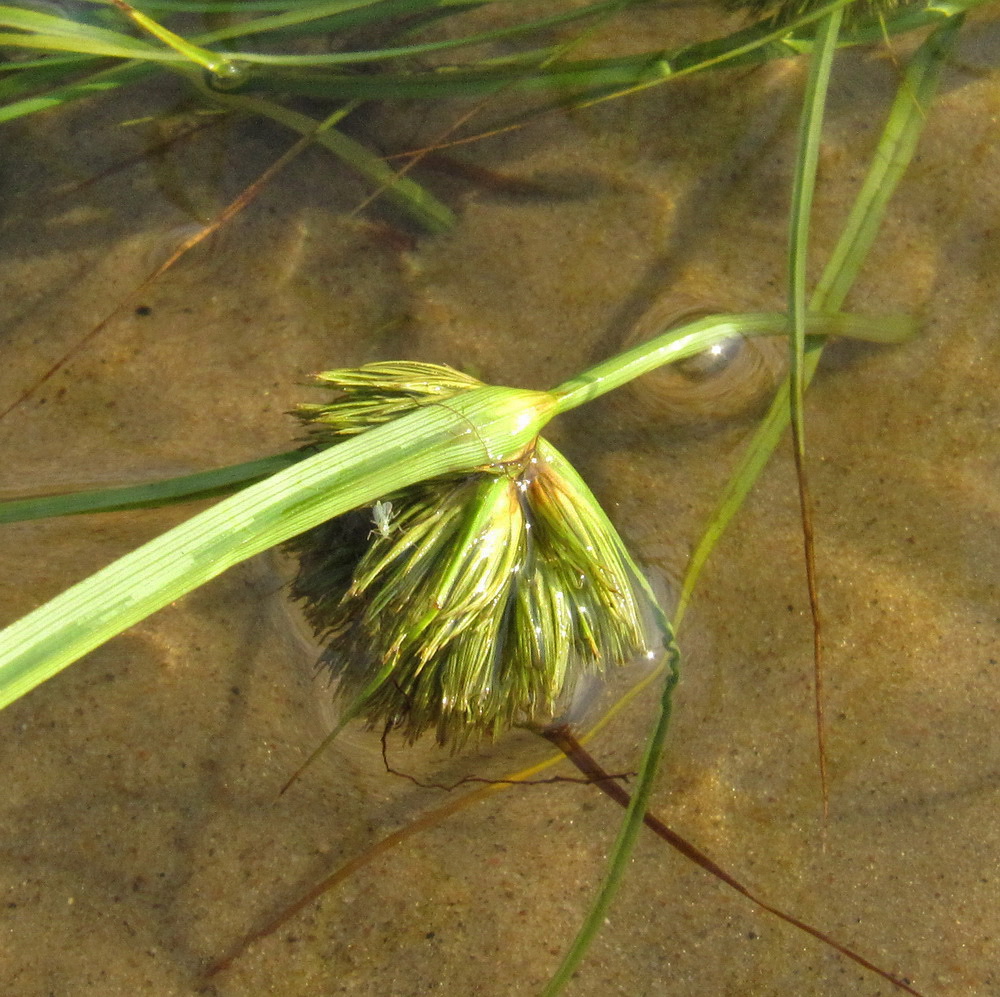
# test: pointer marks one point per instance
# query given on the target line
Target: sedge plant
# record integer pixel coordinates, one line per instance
(462, 463)
(261, 59)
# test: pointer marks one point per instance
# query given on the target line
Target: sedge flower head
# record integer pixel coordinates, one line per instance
(489, 596)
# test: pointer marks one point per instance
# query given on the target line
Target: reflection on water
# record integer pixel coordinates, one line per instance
(142, 827)
(734, 378)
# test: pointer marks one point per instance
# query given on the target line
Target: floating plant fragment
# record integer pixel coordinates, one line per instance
(494, 595)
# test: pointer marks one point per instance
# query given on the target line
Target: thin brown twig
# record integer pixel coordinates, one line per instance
(812, 586)
(485, 780)
(563, 738)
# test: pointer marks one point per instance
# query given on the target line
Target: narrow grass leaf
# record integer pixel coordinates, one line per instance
(803, 189)
(431, 441)
(895, 148)
(186, 488)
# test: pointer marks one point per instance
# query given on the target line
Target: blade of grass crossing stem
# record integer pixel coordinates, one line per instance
(803, 189)
(428, 442)
(778, 418)
(674, 344)
(186, 488)
(892, 155)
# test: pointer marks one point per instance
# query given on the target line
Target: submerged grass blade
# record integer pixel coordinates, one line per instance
(631, 825)
(892, 155)
(187, 488)
(773, 426)
(80, 89)
(217, 64)
(418, 202)
(119, 46)
(803, 188)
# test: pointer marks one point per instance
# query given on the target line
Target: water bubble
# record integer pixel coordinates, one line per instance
(730, 379)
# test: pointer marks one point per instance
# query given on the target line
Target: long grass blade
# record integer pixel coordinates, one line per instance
(631, 826)
(431, 441)
(803, 189)
(892, 155)
(186, 488)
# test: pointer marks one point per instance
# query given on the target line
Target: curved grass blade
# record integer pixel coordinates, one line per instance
(695, 337)
(430, 442)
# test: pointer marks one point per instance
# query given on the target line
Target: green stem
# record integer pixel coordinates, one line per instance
(695, 337)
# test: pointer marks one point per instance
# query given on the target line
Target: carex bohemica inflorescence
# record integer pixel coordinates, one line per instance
(493, 595)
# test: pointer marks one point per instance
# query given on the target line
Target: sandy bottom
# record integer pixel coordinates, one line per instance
(142, 835)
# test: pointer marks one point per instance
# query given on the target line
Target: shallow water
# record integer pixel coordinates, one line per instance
(142, 828)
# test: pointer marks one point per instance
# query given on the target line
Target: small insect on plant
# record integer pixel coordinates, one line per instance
(382, 517)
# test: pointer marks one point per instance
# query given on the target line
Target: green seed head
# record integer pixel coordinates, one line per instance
(494, 594)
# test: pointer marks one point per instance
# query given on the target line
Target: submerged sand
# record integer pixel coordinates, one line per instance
(142, 832)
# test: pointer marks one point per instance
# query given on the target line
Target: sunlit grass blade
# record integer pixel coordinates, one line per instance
(431, 441)
(773, 426)
(219, 65)
(631, 825)
(896, 147)
(891, 157)
(119, 46)
(803, 188)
